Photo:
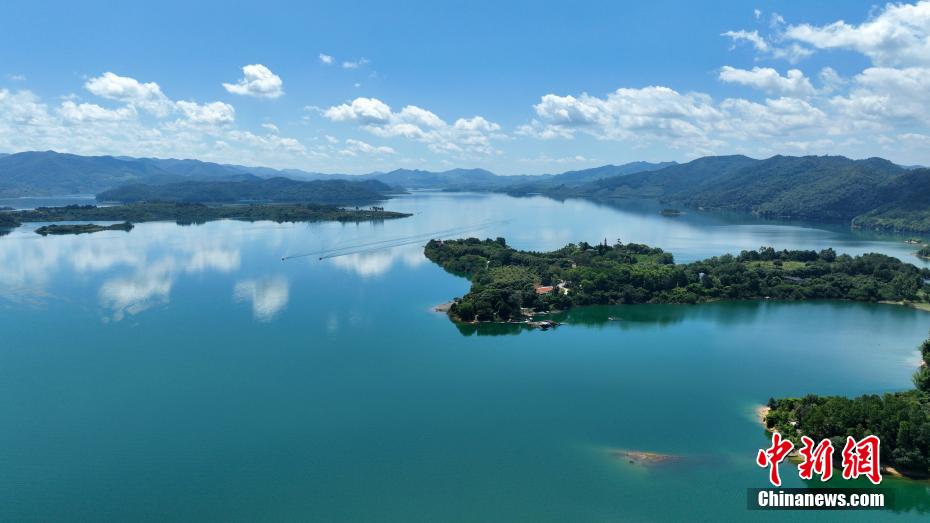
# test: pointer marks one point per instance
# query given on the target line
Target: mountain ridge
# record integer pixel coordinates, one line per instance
(50, 173)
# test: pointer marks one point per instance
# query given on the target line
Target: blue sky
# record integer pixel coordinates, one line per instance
(516, 87)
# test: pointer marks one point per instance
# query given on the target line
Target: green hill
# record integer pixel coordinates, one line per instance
(873, 193)
(47, 173)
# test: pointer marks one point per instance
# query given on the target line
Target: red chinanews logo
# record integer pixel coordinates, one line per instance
(860, 458)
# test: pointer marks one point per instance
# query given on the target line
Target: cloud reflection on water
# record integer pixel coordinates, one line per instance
(268, 296)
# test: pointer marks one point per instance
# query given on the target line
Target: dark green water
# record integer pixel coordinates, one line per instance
(187, 373)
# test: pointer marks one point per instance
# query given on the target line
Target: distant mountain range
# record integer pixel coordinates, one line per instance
(873, 193)
(48, 173)
(330, 192)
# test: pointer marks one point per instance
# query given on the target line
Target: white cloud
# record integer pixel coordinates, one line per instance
(271, 143)
(86, 112)
(898, 36)
(257, 81)
(363, 110)
(214, 113)
(146, 96)
(775, 118)
(888, 97)
(752, 37)
(17, 77)
(635, 115)
(326, 59)
(271, 127)
(792, 52)
(831, 79)
(465, 136)
(354, 64)
(768, 80)
(179, 128)
(691, 121)
(356, 147)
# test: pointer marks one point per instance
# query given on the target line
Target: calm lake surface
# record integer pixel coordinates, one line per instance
(188, 373)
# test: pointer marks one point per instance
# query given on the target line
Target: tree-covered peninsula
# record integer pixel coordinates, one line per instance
(507, 283)
(901, 420)
(8, 220)
(82, 228)
(187, 213)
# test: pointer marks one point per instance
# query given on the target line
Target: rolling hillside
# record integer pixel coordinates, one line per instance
(871, 193)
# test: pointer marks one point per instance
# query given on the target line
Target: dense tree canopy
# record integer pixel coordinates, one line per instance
(505, 280)
(7, 220)
(84, 228)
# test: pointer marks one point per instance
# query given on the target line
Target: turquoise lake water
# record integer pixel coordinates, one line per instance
(178, 373)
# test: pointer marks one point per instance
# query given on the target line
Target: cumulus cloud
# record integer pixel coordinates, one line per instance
(363, 110)
(635, 115)
(257, 81)
(214, 113)
(768, 80)
(356, 147)
(326, 59)
(86, 112)
(690, 121)
(464, 136)
(146, 96)
(140, 120)
(883, 109)
(888, 97)
(898, 36)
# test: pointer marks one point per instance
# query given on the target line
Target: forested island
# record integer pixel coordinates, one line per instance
(188, 213)
(508, 284)
(83, 228)
(900, 419)
(924, 252)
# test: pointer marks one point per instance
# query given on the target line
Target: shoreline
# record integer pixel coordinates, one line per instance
(920, 306)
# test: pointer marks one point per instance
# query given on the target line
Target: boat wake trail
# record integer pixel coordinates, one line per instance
(358, 248)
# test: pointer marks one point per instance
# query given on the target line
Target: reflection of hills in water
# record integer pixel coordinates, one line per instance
(704, 218)
(630, 317)
(491, 329)
(636, 316)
